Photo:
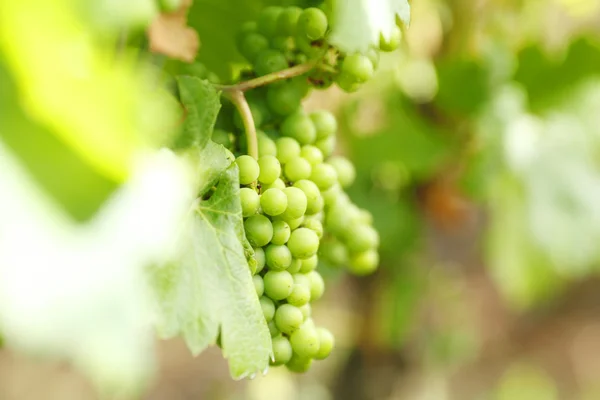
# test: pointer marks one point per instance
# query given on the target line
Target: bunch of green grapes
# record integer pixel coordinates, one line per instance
(295, 210)
(282, 37)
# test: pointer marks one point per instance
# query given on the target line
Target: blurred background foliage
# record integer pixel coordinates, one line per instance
(478, 152)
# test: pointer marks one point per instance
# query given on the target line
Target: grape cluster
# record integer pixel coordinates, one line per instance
(282, 37)
(296, 213)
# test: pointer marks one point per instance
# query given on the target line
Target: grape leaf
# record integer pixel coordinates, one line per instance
(93, 107)
(357, 24)
(209, 294)
(209, 17)
(201, 102)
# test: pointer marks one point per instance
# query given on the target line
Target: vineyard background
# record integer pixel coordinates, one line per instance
(488, 287)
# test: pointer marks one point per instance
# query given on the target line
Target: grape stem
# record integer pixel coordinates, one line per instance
(241, 104)
(235, 93)
(264, 80)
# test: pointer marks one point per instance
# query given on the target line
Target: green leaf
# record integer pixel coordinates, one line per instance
(201, 102)
(209, 294)
(548, 79)
(357, 24)
(217, 22)
(463, 86)
(72, 289)
(98, 107)
(59, 170)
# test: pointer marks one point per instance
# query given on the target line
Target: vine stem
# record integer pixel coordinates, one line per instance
(241, 104)
(292, 72)
(235, 93)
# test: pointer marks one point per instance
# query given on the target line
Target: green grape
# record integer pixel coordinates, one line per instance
(300, 127)
(259, 285)
(297, 168)
(273, 201)
(257, 115)
(297, 203)
(300, 58)
(278, 257)
(324, 122)
(259, 256)
(284, 98)
(305, 341)
(302, 85)
(294, 266)
(300, 295)
(273, 329)
(361, 237)
(357, 68)
(337, 221)
(245, 29)
(299, 364)
(249, 169)
(326, 344)
(326, 145)
(287, 149)
(252, 45)
(281, 232)
(334, 251)
(288, 318)
(282, 350)
(267, 20)
(270, 169)
(344, 169)
(278, 184)
(306, 310)
(312, 23)
(268, 308)
(266, 145)
(347, 83)
(332, 196)
(303, 243)
(320, 79)
(314, 225)
(324, 176)
(259, 230)
(309, 264)
(222, 137)
(314, 201)
(317, 285)
(288, 20)
(311, 154)
(364, 263)
(310, 49)
(365, 217)
(282, 43)
(295, 223)
(269, 61)
(278, 284)
(373, 56)
(393, 42)
(250, 201)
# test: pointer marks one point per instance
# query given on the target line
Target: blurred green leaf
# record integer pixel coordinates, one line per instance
(60, 171)
(408, 139)
(463, 86)
(548, 79)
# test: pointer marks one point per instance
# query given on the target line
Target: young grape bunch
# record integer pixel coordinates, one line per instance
(296, 213)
